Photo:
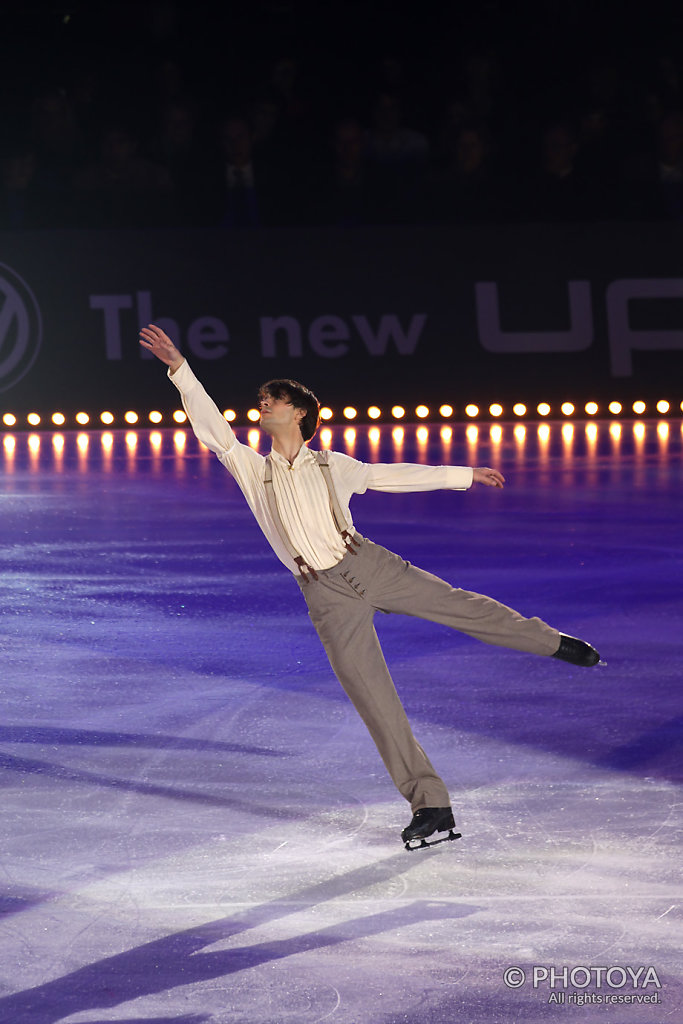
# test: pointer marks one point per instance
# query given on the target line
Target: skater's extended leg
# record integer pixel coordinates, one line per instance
(412, 591)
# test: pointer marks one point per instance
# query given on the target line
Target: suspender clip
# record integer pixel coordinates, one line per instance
(349, 541)
(304, 569)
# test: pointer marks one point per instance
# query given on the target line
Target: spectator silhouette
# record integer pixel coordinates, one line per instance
(653, 182)
(176, 149)
(23, 203)
(561, 192)
(345, 192)
(121, 188)
(467, 188)
(398, 157)
(238, 188)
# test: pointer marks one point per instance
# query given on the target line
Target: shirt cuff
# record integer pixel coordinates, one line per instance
(458, 478)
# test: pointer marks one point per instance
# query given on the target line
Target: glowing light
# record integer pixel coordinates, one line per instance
(544, 432)
(350, 413)
(663, 406)
(230, 415)
(615, 431)
(446, 434)
(567, 409)
(179, 439)
(446, 411)
(350, 435)
(373, 435)
(82, 418)
(496, 434)
(107, 441)
(592, 431)
(9, 443)
(639, 408)
(568, 431)
(374, 413)
(422, 435)
(58, 418)
(253, 415)
(591, 408)
(180, 416)
(107, 418)
(520, 432)
(472, 433)
(495, 409)
(519, 409)
(9, 419)
(83, 441)
(472, 411)
(614, 408)
(422, 412)
(253, 437)
(543, 409)
(663, 431)
(34, 443)
(398, 412)
(155, 417)
(131, 417)
(33, 418)
(326, 437)
(131, 439)
(639, 431)
(398, 434)
(58, 443)
(155, 439)
(326, 413)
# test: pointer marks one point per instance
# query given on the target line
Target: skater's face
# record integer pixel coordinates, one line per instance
(277, 414)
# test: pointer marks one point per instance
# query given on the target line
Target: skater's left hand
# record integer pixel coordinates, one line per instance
(490, 477)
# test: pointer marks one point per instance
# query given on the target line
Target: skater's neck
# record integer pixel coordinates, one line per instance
(288, 445)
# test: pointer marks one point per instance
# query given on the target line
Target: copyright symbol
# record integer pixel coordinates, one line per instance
(514, 977)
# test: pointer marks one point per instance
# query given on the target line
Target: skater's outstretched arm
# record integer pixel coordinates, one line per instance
(207, 421)
(407, 476)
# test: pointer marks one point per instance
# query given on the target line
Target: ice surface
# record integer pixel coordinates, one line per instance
(196, 826)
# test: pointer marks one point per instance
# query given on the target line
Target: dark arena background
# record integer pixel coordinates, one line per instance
(460, 225)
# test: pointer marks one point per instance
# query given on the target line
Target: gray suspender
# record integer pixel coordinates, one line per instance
(335, 509)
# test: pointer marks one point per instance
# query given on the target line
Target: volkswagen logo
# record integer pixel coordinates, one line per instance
(21, 328)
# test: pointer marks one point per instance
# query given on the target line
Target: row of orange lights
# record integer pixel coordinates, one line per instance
(398, 412)
(374, 435)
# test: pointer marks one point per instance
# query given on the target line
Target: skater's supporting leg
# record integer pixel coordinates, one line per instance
(343, 621)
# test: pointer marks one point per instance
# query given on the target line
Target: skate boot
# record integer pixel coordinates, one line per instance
(426, 821)
(577, 652)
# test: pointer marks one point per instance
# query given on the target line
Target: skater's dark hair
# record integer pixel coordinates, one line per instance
(298, 396)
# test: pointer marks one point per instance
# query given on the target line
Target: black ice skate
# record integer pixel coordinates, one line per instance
(425, 823)
(577, 652)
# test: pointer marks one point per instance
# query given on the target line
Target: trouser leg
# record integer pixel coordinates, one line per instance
(403, 588)
(344, 625)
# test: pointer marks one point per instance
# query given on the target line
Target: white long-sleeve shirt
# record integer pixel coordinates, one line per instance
(300, 490)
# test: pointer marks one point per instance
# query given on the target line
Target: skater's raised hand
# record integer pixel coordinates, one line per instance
(157, 341)
(490, 477)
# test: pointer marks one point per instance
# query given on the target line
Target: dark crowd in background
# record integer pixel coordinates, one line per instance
(355, 112)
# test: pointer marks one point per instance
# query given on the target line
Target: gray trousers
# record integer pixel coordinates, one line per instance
(342, 603)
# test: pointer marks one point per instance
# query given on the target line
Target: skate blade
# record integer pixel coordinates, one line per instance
(422, 844)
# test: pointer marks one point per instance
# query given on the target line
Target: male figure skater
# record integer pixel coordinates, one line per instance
(300, 499)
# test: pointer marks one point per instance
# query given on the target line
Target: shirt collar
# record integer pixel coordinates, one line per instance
(303, 455)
